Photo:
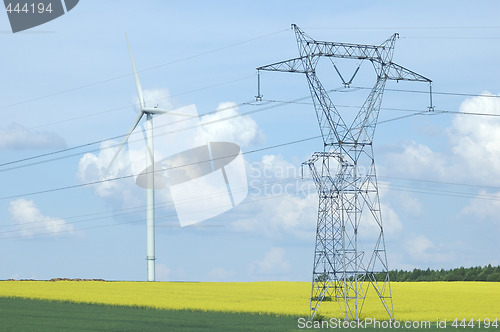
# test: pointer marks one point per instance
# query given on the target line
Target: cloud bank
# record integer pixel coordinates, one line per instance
(17, 137)
(228, 125)
(32, 221)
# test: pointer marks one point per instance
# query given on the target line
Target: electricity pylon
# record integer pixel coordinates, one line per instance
(344, 174)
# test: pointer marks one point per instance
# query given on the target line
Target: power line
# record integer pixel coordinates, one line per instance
(84, 86)
(97, 142)
(436, 92)
(134, 210)
(137, 209)
(211, 122)
(280, 103)
(440, 182)
(205, 53)
(140, 208)
(407, 28)
(115, 109)
(439, 192)
(390, 187)
(243, 78)
(452, 38)
(248, 103)
(468, 113)
(137, 220)
(133, 175)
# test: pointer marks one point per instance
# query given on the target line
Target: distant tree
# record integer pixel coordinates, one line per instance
(322, 277)
(416, 274)
(471, 274)
(493, 277)
(482, 276)
(461, 272)
(454, 275)
(477, 273)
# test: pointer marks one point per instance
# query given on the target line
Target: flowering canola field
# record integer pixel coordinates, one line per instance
(412, 301)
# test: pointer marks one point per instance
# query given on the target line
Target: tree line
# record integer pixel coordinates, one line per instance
(478, 273)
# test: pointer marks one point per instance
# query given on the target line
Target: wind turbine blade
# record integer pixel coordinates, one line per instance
(122, 144)
(137, 82)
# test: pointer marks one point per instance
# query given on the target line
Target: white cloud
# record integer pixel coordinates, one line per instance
(390, 220)
(419, 246)
(286, 205)
(220, 274)
(228, 125)
(31, 220)
(409, 203)
(484, 206)
(280, 215)
(475, 148)
(274, 262)
(162, 271)
(17, 137)
(369, 229)
(476, 139)
(273, 167)
(91, 168)
(20, 276)
(118, 194)
(280, 204)
(159, 97)
(423, 250)
(165, 273)
(417, 160)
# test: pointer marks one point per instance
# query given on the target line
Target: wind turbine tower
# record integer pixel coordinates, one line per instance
(350, 252)
(150, 170)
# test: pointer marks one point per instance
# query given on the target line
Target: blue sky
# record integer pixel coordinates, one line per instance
(68, 83)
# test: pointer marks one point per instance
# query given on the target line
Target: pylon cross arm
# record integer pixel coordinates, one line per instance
(290, 66)
(396, 72)
(345, 50)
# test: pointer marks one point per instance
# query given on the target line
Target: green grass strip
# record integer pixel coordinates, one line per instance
(20, 314)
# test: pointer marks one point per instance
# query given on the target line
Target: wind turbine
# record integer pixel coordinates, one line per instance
(150, 162)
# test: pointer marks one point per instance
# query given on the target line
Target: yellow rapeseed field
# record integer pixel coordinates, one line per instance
(412, 301)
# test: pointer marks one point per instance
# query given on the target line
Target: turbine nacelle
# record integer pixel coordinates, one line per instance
(156, 110)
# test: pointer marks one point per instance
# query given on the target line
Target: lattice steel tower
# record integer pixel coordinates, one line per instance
(344, 174)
